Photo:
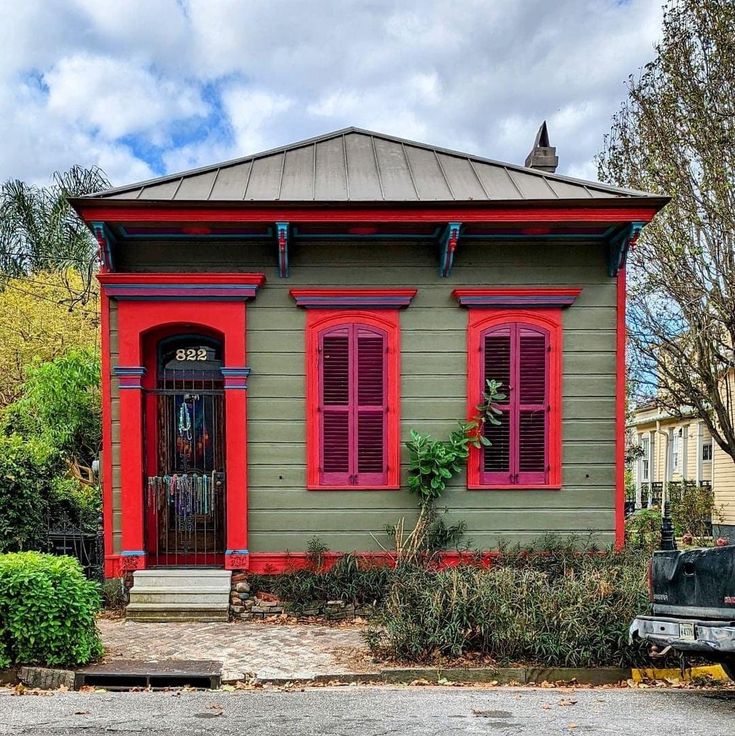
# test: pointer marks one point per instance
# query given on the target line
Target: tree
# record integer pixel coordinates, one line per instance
(675, 134)
(39, 230)
(41, 319)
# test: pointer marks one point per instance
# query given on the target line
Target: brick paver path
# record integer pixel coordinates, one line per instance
(245, 649)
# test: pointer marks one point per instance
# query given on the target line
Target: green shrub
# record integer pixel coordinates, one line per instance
(47, 611)
(26, 470)
(351, 579)
(574, 615)
(643, 529)
(694, 510)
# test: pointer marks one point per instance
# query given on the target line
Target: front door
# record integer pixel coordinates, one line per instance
(185, 427)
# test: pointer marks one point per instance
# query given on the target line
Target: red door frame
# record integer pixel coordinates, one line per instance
(148, 304)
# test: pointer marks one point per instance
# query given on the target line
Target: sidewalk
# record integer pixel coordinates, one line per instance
(245, 649)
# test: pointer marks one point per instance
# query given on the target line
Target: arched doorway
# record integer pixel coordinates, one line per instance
(185, 488)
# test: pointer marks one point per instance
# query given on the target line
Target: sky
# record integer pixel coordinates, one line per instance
(143, 88)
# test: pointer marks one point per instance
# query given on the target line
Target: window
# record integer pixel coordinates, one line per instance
(522, 350)
(676, 451)
(352, 400)
(645, 458)
(707, 451)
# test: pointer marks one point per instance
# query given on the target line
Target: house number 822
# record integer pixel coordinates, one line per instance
(191, 354)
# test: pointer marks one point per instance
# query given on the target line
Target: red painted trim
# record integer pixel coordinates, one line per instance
(113, 566)
(138, 320)
(106, 388)
(408, 293)
(528, 212)
(620, 414)
(387, 321)
(256, 279)
(525, 291)
(480, 320)
(354, 298)
(272, 563)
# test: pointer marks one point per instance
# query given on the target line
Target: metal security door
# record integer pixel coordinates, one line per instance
(185, 500)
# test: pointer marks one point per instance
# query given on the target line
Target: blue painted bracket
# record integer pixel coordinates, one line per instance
(448, 245)
(619, 245)
(105, 240)
(282, 238)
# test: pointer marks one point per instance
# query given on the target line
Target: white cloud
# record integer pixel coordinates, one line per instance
(151, 86)
(118, 97)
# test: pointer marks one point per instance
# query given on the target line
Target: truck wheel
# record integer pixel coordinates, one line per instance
(728, 664)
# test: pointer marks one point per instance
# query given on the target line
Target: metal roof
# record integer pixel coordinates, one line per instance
(355, 165)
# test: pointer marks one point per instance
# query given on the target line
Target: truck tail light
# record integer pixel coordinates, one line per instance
(649, 576)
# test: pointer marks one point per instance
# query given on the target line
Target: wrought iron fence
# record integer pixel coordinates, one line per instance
(70, 535)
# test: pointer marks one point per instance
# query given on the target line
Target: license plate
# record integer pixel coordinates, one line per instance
(686, 632)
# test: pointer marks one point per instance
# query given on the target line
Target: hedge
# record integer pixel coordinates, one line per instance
(47, 611)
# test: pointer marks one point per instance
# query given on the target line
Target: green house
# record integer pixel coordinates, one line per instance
(275, 326)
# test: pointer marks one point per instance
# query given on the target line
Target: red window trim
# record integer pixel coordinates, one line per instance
(386, 320)
(479, 322)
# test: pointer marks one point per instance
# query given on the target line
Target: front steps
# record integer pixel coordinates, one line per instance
(180, 595)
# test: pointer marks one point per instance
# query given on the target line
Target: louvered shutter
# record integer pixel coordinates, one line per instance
(353, 406)
(532, 405)
(496, 363)
(335, 406)
(518, 356)
(370, 407)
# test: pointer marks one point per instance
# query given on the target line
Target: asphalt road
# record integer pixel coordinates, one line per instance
(363, 711)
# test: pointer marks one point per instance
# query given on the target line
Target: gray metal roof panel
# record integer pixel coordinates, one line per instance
(359, 165)
(330, 171)
(461, 177)
(231, 182)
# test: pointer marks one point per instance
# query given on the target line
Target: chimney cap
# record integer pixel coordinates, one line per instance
(542, 156)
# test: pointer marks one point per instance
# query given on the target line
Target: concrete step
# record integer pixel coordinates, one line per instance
(180, 595)
(178, 572)
(193, 598)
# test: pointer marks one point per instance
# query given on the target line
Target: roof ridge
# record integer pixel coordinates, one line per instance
(342, 132)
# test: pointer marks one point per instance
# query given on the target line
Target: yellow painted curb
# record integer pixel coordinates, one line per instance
(715, 672)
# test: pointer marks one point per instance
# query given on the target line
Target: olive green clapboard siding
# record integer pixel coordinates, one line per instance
(283, 515)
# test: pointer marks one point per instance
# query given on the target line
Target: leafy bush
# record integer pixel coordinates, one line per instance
(576, 614)
(643, 529)
(694, 510)
(47, 611)
(48, 439)
(26, 471)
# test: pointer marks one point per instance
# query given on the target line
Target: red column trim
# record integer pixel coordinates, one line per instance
(620, 413)
(316, 322)
(478, 321)
(111, 560)
(136, 318)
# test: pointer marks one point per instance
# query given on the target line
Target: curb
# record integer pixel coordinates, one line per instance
(45, 678)
(689, 674)
(435, 675)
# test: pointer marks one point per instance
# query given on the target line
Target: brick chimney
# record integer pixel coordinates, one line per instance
(543, 156)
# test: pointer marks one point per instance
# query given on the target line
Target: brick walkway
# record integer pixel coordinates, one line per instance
(262, 649)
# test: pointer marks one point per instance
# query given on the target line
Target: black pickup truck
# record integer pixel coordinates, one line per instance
(692, 604)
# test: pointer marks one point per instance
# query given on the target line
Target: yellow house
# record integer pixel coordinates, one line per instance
(680, 450)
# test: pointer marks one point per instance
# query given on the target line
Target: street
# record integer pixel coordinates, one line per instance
(370, 711)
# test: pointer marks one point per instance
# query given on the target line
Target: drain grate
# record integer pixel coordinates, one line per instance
(154, 674)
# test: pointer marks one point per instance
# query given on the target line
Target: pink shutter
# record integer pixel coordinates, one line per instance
(496, 356)
(532, 396)
(334, 406)
(371, 396)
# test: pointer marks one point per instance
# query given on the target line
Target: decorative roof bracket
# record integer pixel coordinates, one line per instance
(105, 241)
(448, 244)
(618, 246)
(282, 237)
